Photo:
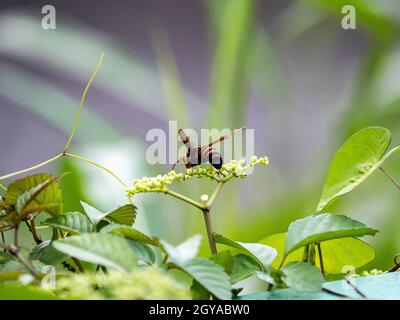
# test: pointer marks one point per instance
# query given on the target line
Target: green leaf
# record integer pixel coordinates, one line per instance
(210, 275)
(355, 161)
(244, 266)
(123, 215)
(142, 252)
(340, 253)
(327, 226)
(302, 277)
(224, 259)
(4, 257)
(105, 249)
(185, 251)
(4, 206)
(265, 277)
(265, 255)
(50, 197)
(45, 252)
(199, 292)
(28, 202)
(130, 233)
(94, 215)
(336, 253)
(10, 291)
(74, 222)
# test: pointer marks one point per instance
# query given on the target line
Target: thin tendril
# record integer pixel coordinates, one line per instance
(67, 154)
(70, 137)
(82, 102)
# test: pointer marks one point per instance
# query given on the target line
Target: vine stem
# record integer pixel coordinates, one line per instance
(3, 238)
(78, 264)
(390, 177)
(14, 252)
(32, 229)
(205, 210)
(67, 154)
(42, 164)
(185, 199)
(83, 101)
(321, 260)
(215, 194)
(71, 136)
(16, 236)
(210, 234)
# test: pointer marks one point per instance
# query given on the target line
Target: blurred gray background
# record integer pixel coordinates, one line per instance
(285, 68)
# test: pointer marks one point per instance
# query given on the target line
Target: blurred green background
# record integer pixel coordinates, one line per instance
(285, 68)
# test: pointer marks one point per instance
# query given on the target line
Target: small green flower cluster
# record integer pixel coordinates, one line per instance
(239, 168)
(154, 184)
(366, 273)
(231, 169)
(142, 284)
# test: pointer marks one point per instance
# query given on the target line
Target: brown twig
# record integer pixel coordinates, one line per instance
(32, 229)
(12, 250)
(362, 295)
(391, 178)
(3, 239)
(338, 294)
(396, 264)
(78, 264)
(321, 261)
(16, 235)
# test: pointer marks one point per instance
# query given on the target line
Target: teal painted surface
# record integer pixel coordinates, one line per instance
(385, 286)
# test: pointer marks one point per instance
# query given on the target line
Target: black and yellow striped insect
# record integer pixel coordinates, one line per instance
(196, 155)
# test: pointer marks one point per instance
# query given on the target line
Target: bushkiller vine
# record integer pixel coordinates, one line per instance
(233, 169)
(110, 259)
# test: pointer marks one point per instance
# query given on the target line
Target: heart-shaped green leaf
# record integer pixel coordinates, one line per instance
(123, 215)
(210, 275)
(239, 267)
(224, 259)
(48, 196)
(302, 277)
(94, 215)
(327, 226)
(142, 252)
(107, 250)
(207, 273)
(74, 222)
(130, 233)
(45, 252)
(244, 266)
(355, 161)
(265, 277)
(336, 253)
(265, 255)
(185, 251)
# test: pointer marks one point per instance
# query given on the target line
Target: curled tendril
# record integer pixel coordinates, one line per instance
(229, 170)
